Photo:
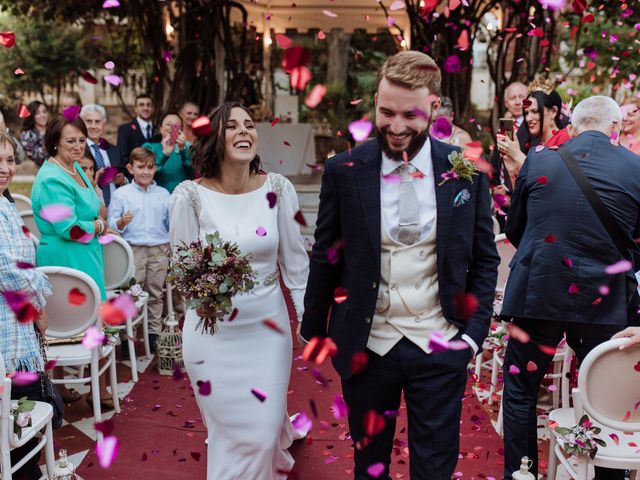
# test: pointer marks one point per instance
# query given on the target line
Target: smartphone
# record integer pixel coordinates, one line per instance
(174, 133)
(505, 127)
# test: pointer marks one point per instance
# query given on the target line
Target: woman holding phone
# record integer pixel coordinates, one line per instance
(172, 153)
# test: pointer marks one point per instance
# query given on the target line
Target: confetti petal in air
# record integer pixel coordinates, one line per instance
(108, 175)
(25, 378)
(23, 309)
(514, 370)
(397, 5)
(7, 39)
(551, 238)
(300, 77)
(25, 265)
(259, 394)
(124, 302)
(106, 427)
(568, 262)
(618, 267)
(283, 41)
(302, 423)
(360, 130)
(299, 217)
(531, 366)
(465, 305)
(114, 80)
(359, 362)
(106, 239)
(321, 35)
(573, 289)
(463, 41)
(18, 71)
(340, 294)
(261, 231)
(517, 333)
(55, 213)
(376, 470)
(204, 387)
(373, 423)
(442, 127)
(315, 96)
(437, 342)
(107, 448)
(71, 112)
(552, 4)
(542, 180)
(329, 13)
(201, 126)
(318, 349)
(89, 78)
(339, 408)
(23, 112)
(93, 337)
(111, 315)
(269, 323)
(109, 65)
(295, 57)
(604, 290)
(452, 64)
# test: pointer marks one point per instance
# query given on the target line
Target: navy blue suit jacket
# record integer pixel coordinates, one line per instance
(130, 136)
(349, 221)
(560, 240)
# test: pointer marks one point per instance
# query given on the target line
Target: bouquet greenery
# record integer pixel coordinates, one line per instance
(581, 439)
(209, 276)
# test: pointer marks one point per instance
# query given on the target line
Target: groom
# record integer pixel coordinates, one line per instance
(404, 251)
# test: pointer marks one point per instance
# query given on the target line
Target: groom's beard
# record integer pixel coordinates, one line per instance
(416, 143)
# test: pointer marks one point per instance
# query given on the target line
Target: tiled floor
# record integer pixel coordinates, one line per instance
(77, 434)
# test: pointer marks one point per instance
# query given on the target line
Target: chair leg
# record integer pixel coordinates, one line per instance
(583, 468)
(132, 353)
(49, 455)
(499, 424)
(495, 366)
(478, 364)
(95, 394)
(145, 331)
(552, 460)
(6, 466)
(114, 382)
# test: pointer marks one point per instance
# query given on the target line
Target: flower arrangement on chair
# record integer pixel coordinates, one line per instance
(581, 439)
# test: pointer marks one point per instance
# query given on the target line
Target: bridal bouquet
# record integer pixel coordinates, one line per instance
(208, 277)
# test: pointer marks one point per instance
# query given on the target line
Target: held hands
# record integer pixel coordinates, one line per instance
(632, 333)
(125, 220)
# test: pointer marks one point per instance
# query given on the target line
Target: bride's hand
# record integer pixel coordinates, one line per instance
(301, 340)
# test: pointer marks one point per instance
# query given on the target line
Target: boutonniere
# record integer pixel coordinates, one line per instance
(461, 167)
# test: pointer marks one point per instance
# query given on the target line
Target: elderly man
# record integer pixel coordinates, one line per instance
(558, 284)
(105, 154)
(514, 94)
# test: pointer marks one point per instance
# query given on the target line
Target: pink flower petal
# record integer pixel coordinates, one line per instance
(55, 213)
(618, 267)
(604, 289)
(531, 366)
(71, 113)
(376, 470)
(329, 13)
(315, 96)
(339, 408)
(114, 80)
(261, 231)
(25, 378)
(574, 289)
(106, 239)
(124, 302)
(513, 370)
(109, 65)
(107, 450)
(259, 394)
(302, 423)
(93, 338)
(552, 4)
(204, 388)
(442, 127)
(272, 198)
(397, 5)
(108, 175)
(360, 130)
(437, 343)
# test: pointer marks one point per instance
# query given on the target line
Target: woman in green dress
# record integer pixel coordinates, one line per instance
(72, 241)
(172, 153)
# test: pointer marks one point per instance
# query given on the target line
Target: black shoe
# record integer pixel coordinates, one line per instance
(153, 342)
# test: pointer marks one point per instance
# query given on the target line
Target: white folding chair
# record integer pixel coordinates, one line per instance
(608, 386)
(119, 269)
(41, 416)
(30, 222)
(67, 320)
(22, 202)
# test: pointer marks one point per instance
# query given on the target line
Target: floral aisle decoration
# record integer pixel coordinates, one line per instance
(21, 413)
(581, 439)
(208, 275)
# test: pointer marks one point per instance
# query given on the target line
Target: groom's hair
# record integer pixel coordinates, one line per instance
(411, 69)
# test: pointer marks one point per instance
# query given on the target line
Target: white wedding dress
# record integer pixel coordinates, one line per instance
(248, 438)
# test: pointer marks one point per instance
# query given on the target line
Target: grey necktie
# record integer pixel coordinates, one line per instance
(408, 208)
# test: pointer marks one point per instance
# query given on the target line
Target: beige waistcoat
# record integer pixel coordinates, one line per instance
(408, 297)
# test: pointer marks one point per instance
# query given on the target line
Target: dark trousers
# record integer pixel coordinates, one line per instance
(520, 395)
(433, 389)
(29, 470)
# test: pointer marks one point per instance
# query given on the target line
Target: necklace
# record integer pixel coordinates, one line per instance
(70, 172)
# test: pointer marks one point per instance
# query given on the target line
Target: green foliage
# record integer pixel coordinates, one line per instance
(49, 54)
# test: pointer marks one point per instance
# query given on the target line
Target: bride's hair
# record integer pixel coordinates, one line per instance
(208, 150)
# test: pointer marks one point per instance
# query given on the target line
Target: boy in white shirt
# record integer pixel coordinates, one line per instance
(139, 212)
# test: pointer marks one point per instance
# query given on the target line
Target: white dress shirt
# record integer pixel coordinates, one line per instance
(143, 125)
(107, 161)
(423, 184)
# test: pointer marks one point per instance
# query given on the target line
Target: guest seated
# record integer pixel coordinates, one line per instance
(20, 345)
(172, 153)
(443, 127)
(33, 128)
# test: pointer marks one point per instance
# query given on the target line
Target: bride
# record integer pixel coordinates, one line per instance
(247, 363)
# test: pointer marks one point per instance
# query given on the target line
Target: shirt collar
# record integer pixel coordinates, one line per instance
(143, 123)
(421, 161)
(152, 185)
